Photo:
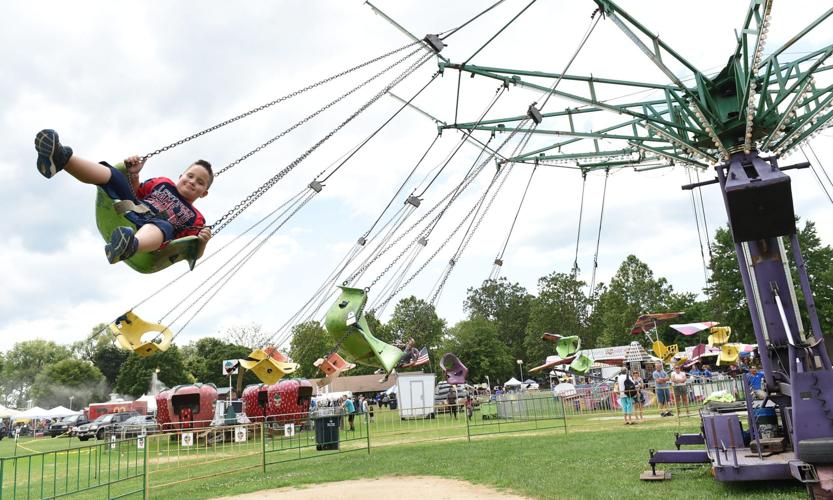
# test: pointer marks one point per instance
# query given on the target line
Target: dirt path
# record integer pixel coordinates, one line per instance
(402, 488)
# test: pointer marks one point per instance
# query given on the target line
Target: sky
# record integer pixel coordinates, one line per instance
(122, 78)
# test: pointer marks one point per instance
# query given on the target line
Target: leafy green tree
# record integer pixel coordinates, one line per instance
(818, 260)
(725, 286)
(70, 377)
(109, 359)
(633, 290)
(135, 374)
(23, 363)
(479, 346)
(85, 349)
(204, 361)
(310, 341)
(417, 319)
(250, 336)
(507, 305)
(561, 308)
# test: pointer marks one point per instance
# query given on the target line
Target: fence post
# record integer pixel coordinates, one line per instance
(468, 429)
(146, 485)
(263, 446)
(367, 431)
(563, 414)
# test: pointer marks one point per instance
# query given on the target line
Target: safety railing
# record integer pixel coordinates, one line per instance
(114, 468)
(518, 412)
(313, 435)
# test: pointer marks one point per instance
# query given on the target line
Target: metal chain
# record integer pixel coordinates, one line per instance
(439, 248)
(226, 277)
(470, 234)
(316, 113)
(251, 198)
(453, 194)
(276, 101)
(479, 202)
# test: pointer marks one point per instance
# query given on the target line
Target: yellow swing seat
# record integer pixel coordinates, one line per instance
(268, 365)
(347, 325)
(665, 352)
(109, 214)
(129, 330)
(719, 335)
(729, 354)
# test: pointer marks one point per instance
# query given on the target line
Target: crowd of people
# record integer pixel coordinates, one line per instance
(629, 387)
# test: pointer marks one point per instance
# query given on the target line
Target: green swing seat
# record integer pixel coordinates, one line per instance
(581, 365)
(567, 346)
(347, 326)
(109, 214)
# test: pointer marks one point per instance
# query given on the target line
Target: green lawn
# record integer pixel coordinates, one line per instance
(595, 457)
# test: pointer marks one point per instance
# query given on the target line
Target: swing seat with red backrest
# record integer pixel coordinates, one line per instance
(332, 366)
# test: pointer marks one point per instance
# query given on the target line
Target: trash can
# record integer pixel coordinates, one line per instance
(326, 432)
(392, 404)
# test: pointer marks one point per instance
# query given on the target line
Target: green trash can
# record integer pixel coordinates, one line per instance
(326, 432)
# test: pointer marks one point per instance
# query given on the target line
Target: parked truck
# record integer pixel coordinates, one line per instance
(96, 410)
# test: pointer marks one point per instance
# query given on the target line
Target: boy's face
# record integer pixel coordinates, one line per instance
(193, 183)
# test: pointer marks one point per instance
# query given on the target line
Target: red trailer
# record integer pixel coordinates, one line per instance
(96, 410)
(285, 402)
(186, 406)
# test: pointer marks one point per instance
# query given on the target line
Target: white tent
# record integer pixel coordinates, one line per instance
(36, 412)
(512, 382)
(151, 401)
(60, 412)
(8, 412)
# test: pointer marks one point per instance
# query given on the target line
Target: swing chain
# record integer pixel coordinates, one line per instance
(276, 101)
(251, 198)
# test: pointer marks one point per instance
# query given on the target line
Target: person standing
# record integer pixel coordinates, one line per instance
(679, 379)
(639, 398)
(755, 380)
(660, 377)
(624, 390)
(469, 406)
(350, 409)
(452, 401)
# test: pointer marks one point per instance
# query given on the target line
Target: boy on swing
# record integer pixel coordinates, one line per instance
(166, 209)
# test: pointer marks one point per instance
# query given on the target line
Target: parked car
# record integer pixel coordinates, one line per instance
(137, 426)
(66, 425)
(104, 424)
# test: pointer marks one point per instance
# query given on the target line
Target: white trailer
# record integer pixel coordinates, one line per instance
(415, 394)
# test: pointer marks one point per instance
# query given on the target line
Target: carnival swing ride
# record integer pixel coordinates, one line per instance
(739, 122)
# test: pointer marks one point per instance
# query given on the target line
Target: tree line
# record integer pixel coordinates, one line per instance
(504, 322)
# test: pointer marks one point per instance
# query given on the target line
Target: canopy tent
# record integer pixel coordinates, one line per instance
(512, 382)
(8, 412)
(150, 400)
(35, 412)
(60, 412)
(692, 328)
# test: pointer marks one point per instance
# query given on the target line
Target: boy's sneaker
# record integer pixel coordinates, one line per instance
(52, 156)
(123, 245)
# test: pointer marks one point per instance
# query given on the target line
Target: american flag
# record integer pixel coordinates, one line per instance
(422, 358)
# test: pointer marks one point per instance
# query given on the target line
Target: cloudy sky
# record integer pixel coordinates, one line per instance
(123, 78)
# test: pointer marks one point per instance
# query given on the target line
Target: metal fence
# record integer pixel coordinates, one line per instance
(113, 469)
(147, 465)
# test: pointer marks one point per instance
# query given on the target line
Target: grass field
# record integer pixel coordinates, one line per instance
(595, 457)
